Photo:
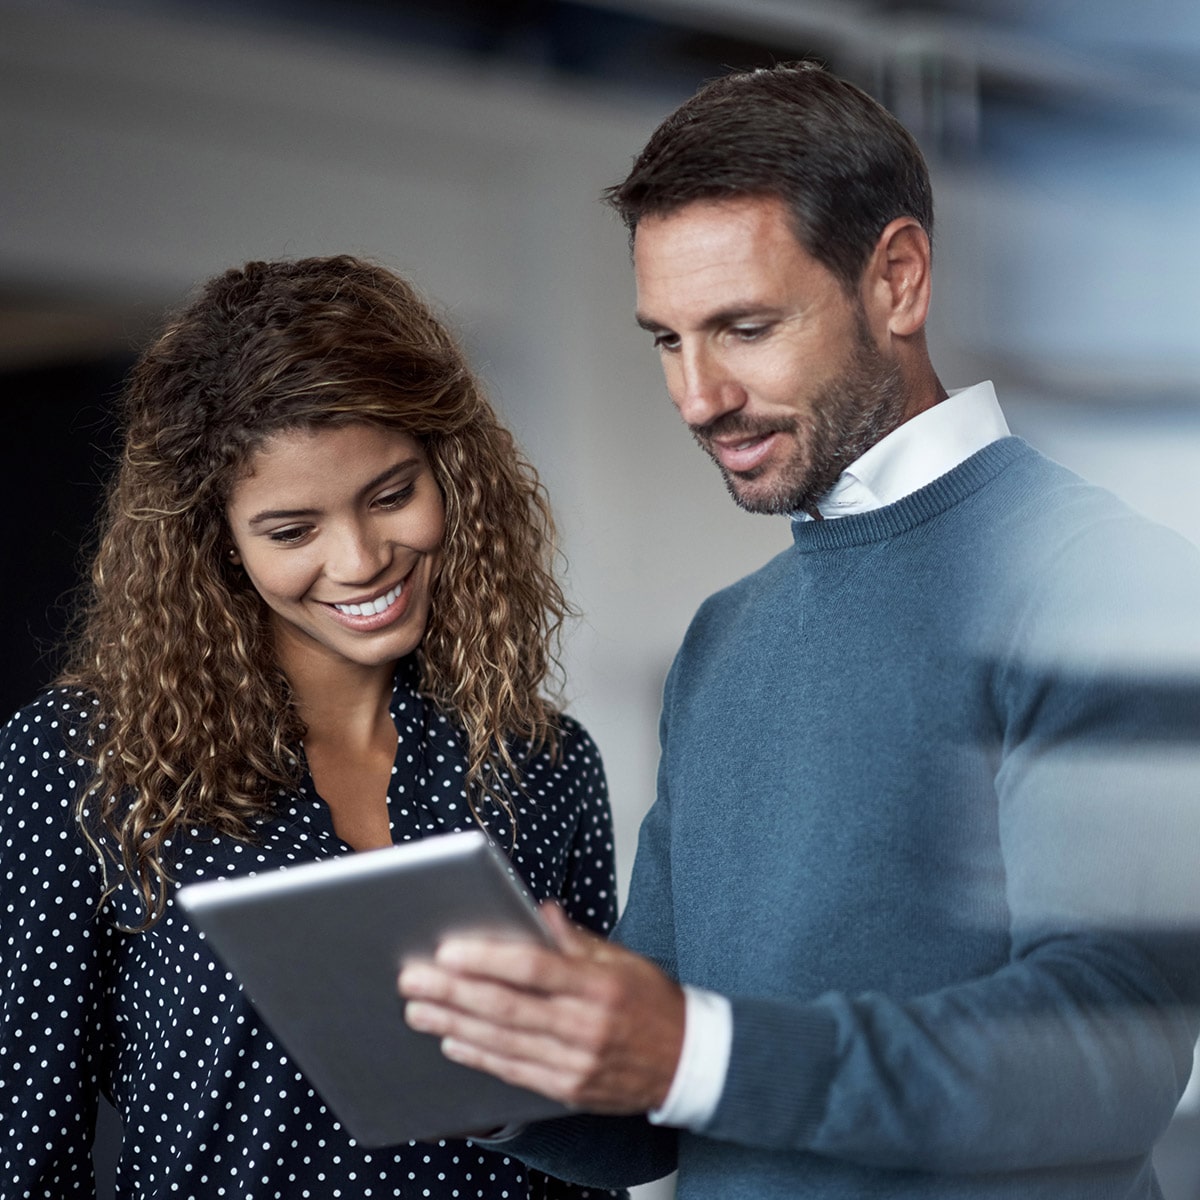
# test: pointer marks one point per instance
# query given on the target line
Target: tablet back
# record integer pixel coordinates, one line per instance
(317, 949)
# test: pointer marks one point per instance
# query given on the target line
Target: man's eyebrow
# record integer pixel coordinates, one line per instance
(291, 514)
(718, 319)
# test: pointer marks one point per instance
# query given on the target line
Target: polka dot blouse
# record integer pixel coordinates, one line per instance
(211, 1104)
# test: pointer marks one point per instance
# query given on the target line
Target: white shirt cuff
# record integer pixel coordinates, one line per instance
(703, 1062)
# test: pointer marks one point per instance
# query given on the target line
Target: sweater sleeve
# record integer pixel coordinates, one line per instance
(1076, 1050)
(53, 961)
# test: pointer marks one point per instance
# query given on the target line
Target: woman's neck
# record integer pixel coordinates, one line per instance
(350, 742)
(341, 700)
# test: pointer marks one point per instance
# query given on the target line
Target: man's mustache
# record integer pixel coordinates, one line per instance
(734, 424)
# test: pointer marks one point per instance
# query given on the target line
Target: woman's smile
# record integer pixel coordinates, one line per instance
(374, 613)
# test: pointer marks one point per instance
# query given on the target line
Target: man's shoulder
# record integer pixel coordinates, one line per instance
(1050, 508)
(1080, 576)
(1054, 489)
(1029, 513)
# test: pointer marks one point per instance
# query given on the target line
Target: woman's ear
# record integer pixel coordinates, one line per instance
(234, 557)
(896, 283)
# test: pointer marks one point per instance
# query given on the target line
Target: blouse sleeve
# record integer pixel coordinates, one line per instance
(53, 959)
(589, 891)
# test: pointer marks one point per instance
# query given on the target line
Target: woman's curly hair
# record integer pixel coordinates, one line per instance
(196, 724)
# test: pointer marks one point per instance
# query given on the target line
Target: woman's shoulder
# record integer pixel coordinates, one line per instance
(42, 741)
(574, 738)
(42, 775)
(571, 761)
(59, 712)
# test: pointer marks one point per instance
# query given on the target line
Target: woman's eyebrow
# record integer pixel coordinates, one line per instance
(290, 514)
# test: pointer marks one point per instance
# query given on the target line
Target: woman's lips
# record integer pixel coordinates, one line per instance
(373, 614)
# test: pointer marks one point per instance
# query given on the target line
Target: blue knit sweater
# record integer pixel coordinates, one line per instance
(925, 814)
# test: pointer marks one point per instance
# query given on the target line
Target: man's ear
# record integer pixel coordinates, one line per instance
(896, 284)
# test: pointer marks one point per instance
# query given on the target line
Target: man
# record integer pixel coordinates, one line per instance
(925, 777)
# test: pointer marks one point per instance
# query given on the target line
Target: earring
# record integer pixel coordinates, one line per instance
(233, 555)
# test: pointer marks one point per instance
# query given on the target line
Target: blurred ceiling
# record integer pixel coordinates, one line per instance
(957, 72)
(938, 63)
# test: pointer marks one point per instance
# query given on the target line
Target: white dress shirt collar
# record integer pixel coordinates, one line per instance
(916, 453)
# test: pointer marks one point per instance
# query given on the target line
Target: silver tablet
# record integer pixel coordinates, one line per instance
(317, 949)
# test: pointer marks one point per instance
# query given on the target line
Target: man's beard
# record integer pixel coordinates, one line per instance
(848, 416)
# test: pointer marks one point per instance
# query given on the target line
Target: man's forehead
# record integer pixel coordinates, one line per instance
(744, 214)
(719, 256)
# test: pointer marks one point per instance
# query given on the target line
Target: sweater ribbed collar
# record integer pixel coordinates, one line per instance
(917, 507)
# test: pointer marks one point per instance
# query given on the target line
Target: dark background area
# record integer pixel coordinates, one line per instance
(58, 444)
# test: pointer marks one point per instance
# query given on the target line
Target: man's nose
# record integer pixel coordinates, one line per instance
(701, 388)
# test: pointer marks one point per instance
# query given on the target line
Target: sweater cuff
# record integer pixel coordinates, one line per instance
(780, 1069)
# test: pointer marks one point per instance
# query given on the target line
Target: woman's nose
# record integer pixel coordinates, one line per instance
(359, 555)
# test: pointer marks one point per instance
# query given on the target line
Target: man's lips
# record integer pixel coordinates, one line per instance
(741, 453)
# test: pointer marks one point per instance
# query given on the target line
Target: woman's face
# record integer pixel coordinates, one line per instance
(340, 531)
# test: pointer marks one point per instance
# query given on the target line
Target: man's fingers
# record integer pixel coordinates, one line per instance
(537, 1077)
(564, 1017)
(520, 964)
(471, 994)
(551, 1078)
(570, 938)
(512, 1042)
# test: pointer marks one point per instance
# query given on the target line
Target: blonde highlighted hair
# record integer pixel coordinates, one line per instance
(196, 724)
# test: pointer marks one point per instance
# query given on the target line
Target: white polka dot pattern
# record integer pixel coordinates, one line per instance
(211, 1105)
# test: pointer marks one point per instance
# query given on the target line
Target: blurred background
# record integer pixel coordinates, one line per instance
(147, 144)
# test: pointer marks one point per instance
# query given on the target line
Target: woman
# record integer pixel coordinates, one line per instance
(321, 618)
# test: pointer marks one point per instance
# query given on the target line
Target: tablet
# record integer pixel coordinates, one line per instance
(317, 949)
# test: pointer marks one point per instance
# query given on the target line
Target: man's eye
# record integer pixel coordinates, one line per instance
(666, 341)
(749, 333)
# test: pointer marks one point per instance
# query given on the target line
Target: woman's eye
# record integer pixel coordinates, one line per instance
(396, 498)
(290, 536)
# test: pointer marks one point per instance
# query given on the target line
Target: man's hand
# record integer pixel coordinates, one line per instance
(589, 1024)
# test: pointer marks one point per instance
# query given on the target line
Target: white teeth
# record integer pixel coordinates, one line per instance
(372, 606)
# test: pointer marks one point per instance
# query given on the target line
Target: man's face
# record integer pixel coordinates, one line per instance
(768, 360)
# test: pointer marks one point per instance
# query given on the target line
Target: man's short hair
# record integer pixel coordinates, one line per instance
(840, 161)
